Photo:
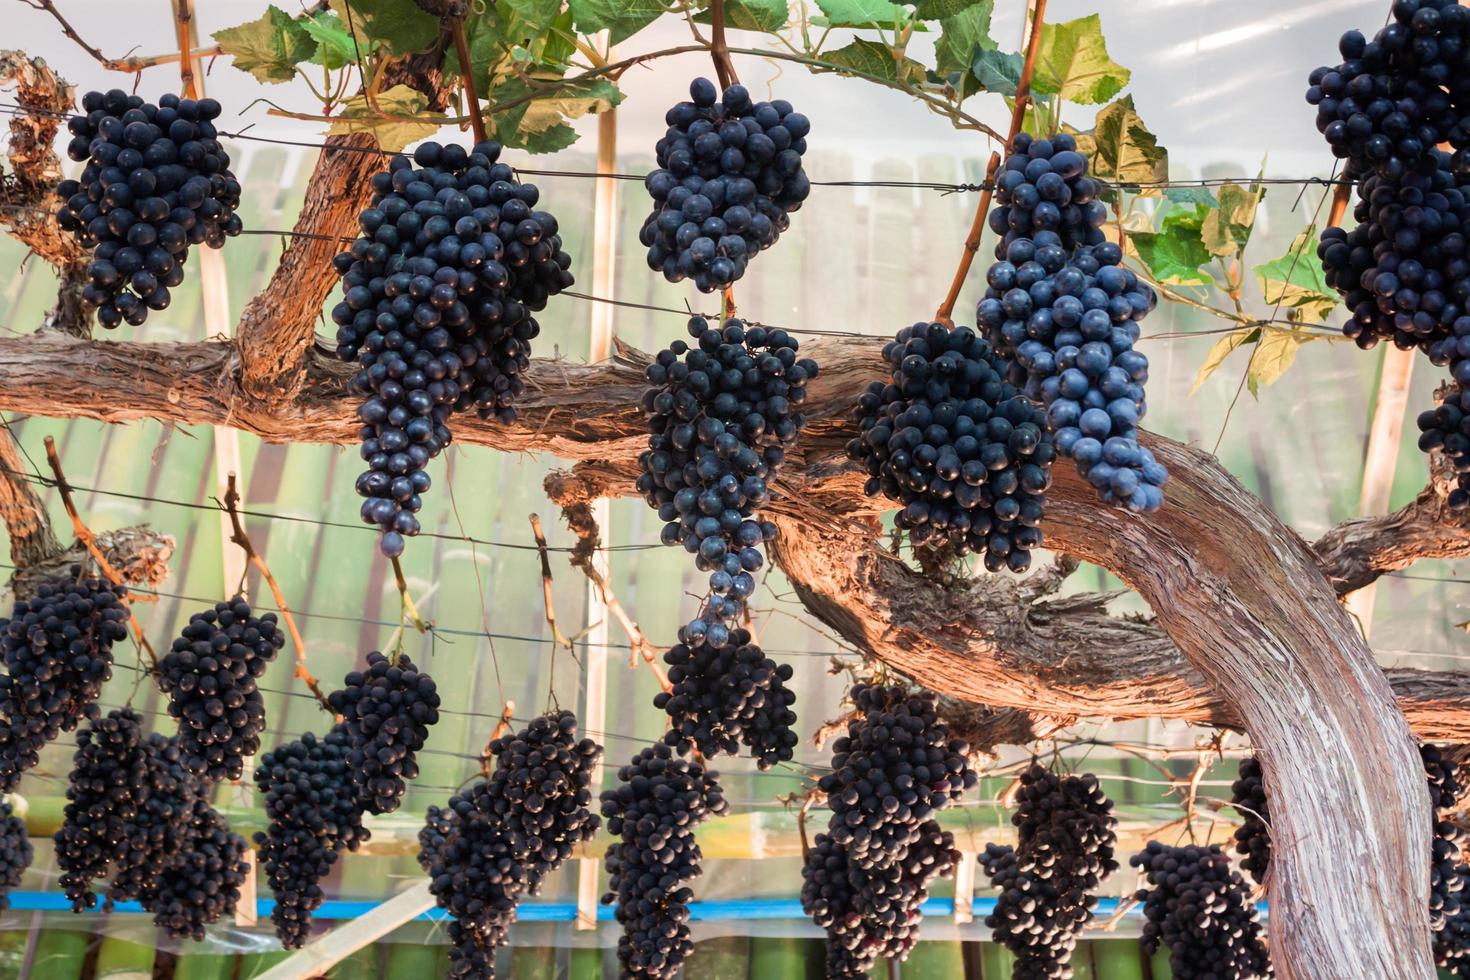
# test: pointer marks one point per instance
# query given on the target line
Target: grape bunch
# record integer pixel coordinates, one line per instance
(156, 181)
(313, 812)
(1446, 429)
(727, 695)
(200, 884)
(895, 768)
(1067, 323)
(1447, 869)
(159, 829)
(57, 648)
(872, 914)
(1201, 909)
(1253, 836)
(15, 852)
(438, 293)
(729, 175)
(1047, 883)
(209, 676)
(497, 841)
(1394, 98)
(661, 797)
(1043, 195)
(386, 710)
(109, 784)
(720, 420)
(966, 454)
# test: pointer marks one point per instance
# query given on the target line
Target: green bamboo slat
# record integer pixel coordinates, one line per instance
(193, 965)
(721, 958)
(254, 964)
(940, 958)
(1117, 959)
(60, 953)
(361, 965)
(1083, 967)
(779, 958)
(533, 963)
(410, 961)
(586, 964)
(1159, 965)
(122, 959)
(997, 962)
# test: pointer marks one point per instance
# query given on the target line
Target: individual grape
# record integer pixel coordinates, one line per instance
(1067, 325)
(1047, 883)
(57, 648)
(1201, 909)
(1392, 99)
(966, 454)
(438, 293)
(210, 678)
(728, 695)
(109, 784)
(156, 181)
(15, 852)
(1253, 836)
(387, 710)
(313, 813)
(497, 841)
(720, 420)
(1043, 191)
(729, 175)
(660, 798)
(893, 769)
(201, 883)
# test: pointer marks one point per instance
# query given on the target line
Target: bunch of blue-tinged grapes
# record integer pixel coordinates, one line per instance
(201, 883)
(1063, 312)
(720, 414)
(729, 175)
(498, 841)
(110, 782)
(965, 453)
(437, 299)
(728, 695)
(1201, 909)
(156, 181)
(660, 798)
(1446, 429)
(872, 914)
(1047, 882)
(57, 648)
(210, 678)
(313, 812)
(1253, 836)
(868, 874)
(15, 852)
(386, 710)
(159, 829)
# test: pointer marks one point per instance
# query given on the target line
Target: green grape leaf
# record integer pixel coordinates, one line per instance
(1073, 62)
(1296, 281)
(1174, 254)
(269, 48)
(1120, 149)
(859, 13)
(869, 59)
(334, 46)
(942, 9)
(1272, 356)
(391, 134)
(1227, 229)
(997, 71)
(961, 35)
(623, 18)
(1191, 195)
(767, 16)
(1223, 348)
(537, 13)
(399, 25)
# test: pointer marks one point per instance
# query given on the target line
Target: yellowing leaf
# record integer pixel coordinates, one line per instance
(391, 134)
(1227, 228)
(269, 48)
(1223, 348)
(1273, 355)
(1073, 62)
(1120, 149)
(1296, 281)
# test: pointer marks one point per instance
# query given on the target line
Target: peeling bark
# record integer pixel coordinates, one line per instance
(22, 510)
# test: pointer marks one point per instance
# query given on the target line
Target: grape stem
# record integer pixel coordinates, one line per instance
(502, 727)
(132, 64)
(467, 78)
(183, 17)
(239, 538)
(1018, 117)
(557, 636)
(719, 48)
(410, 611)
(89, 541)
